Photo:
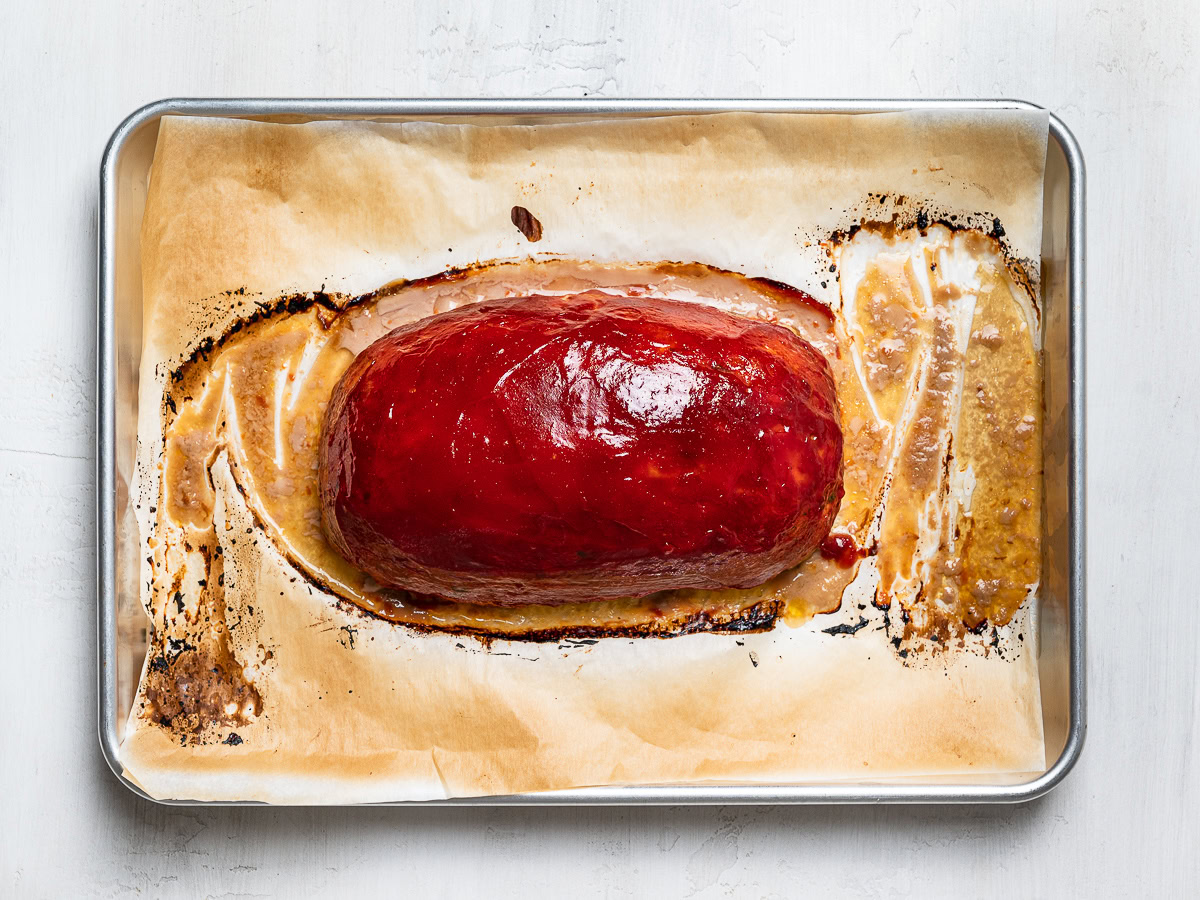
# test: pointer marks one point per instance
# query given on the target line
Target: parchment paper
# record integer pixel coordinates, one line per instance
(396, 715)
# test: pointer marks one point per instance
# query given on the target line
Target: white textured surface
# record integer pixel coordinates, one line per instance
(1123, 76)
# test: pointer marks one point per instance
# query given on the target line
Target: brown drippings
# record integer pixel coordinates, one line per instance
(895, 332)
(999, 433)
(984, 230)
(959, 540)
(194, 684)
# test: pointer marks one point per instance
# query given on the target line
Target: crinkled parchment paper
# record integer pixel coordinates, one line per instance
(354, 709)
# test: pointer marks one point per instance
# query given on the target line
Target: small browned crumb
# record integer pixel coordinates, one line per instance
(527, 223)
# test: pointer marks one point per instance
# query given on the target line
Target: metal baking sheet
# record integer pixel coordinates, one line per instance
(121, 630)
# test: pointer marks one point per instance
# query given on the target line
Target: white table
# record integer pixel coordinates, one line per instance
(1126, 80)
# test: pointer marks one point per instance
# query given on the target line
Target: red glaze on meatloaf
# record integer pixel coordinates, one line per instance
(572, 448)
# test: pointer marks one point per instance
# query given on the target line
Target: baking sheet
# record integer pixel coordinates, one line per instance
(775, 153)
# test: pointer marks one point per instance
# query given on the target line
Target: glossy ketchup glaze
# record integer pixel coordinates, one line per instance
(842, 550)
(551, 449)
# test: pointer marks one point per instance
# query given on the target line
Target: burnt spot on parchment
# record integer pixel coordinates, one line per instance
(195, 685)
(758, 617)
(888, 218)
(848, 629)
